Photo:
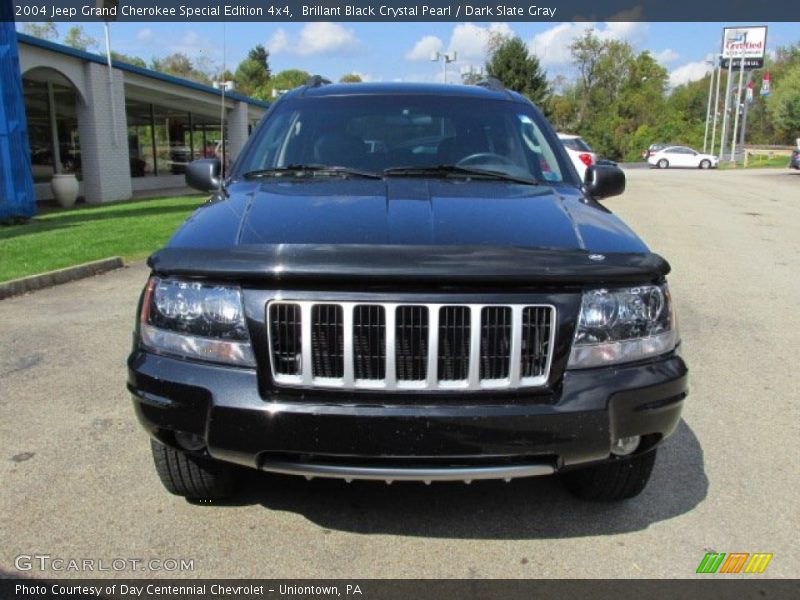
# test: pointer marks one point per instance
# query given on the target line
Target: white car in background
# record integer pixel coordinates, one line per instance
(681, 156)
(579, 152)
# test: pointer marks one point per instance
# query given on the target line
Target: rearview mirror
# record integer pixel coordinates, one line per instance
(603, 181)
(204, 174)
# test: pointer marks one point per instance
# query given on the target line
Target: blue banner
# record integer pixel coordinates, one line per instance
(17, 198)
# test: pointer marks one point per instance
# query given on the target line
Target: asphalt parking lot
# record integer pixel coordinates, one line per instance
(78, 482)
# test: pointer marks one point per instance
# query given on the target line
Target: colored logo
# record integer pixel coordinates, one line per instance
(734, 562)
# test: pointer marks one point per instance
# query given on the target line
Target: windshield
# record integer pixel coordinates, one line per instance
(372, 133)
(576, 144)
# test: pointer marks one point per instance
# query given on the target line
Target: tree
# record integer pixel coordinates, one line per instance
(284, 81)
(250, 76)
(472, 76)
(783, 105)
(351, 78)
(77, 38)
(586, 53)
(44, 31)
(131, 60)
(510, 62)
(179, 65)
(617, 98)
(261, 56)
(761, 126)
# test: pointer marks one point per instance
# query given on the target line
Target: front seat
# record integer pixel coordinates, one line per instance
(453, 149)
(340, 150)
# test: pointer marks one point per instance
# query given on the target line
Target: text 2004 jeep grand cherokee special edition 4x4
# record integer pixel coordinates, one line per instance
(406, 282)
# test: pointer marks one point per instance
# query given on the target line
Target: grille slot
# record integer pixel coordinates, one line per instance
(535, 341)
(411, 343)
(369, 342)
(350, 345)
(327, 340)
(454, 342)
(495, 342)
(286, 338)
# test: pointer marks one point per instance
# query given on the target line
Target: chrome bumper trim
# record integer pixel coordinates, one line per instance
(427, 475)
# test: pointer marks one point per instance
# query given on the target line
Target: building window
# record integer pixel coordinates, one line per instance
(173, 140)
(50, 108)
(140, 138)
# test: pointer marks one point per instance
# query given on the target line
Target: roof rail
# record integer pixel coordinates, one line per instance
(492, 83)
(317, 81)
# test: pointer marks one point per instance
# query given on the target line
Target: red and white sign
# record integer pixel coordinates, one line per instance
(748, 43)
(765, 84)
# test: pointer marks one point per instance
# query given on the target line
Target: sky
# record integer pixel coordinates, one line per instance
(401, 51)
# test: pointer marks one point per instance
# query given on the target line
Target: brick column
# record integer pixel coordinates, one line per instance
(105, 161)
(236, 126)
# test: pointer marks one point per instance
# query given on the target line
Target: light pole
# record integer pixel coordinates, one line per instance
(709, 61)
(446, 58)
(738, 102)
(222, 86)
(732, 35)
(716, 103)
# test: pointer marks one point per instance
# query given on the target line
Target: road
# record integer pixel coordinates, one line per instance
(77, 479)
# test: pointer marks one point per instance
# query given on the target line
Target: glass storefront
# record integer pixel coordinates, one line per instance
(162, 140)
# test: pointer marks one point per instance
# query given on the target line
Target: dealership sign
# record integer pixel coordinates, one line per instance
(748, 43)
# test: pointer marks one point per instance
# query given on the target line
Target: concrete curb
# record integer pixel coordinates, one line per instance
(16, 287)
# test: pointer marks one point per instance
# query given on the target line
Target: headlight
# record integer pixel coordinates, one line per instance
(196, 320)
(623, 325)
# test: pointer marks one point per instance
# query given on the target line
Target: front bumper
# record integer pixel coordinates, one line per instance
(368, 436)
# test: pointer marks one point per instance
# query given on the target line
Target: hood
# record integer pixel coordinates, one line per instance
(405, 211)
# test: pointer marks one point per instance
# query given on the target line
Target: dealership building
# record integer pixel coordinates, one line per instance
(124, 130)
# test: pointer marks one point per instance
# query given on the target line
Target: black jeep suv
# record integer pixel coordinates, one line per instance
(406, 282)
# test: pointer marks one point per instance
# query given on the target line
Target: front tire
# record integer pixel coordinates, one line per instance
(705, 164)
(663, 163)
(193, 477)
(612, 481)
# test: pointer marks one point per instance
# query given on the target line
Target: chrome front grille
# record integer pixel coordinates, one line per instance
(385, 346)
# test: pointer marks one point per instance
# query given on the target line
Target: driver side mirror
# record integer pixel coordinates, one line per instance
(204, 174)
(604, 181)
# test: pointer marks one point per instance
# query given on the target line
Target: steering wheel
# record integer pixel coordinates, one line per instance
(483, 158)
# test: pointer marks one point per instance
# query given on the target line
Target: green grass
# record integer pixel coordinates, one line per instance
(64, 238)
(760, 161)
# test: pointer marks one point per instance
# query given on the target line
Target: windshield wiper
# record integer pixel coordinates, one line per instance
(300, 170)
(444, 170)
